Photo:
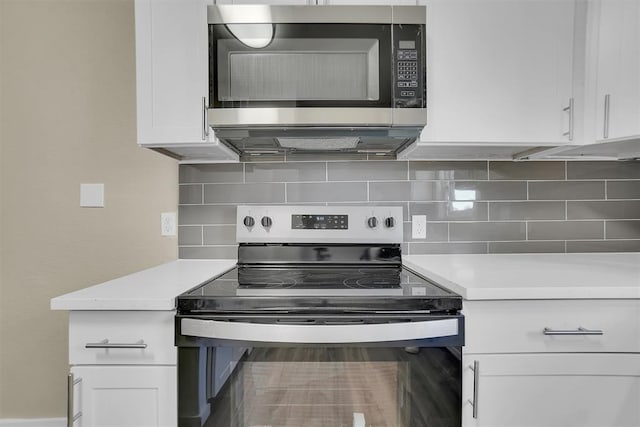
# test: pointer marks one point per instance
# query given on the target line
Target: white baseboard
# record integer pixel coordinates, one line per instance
(34, 422)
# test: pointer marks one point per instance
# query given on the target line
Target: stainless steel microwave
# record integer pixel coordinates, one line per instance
(317, 78)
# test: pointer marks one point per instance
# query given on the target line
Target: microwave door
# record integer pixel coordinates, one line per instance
(300, 66)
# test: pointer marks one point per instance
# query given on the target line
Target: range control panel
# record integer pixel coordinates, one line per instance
(319, 224)
(409, 82)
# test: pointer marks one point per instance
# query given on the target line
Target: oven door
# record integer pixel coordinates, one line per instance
(330, 373)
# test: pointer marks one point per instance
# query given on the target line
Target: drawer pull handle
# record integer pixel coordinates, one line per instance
(579, 331)
(476, 379)
(71, 417)
(106, 344)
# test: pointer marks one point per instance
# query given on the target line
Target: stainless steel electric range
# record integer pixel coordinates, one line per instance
(319, 325)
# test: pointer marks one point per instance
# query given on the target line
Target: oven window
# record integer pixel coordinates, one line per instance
(354, 387)
(300, 65)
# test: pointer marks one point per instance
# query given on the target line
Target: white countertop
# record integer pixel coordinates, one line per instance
(475, 277)
(152, 289)
(533, 276)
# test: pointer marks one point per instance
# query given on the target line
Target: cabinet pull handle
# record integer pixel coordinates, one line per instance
(106, 344)
(476, 379)
(579, 331)
(205, 119)
(71, 417)
(607, 106)
(569, 109)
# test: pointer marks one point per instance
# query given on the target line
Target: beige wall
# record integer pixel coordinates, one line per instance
(67, 99)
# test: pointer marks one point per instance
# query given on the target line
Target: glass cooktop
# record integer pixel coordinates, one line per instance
(354, 287)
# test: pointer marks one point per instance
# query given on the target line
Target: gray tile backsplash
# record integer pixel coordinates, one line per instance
(471, 206)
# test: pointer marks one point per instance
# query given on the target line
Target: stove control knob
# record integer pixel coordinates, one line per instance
(389, 222)
(372, 222)
(266, 221)
(249, 221)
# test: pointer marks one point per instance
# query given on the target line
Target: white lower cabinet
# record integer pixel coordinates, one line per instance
(551, 363)
(125, 396)
(552, 390)
(123, 369)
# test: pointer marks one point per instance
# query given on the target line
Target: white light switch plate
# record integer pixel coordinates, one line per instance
(92, 195)
(418, 226)
(168, 226)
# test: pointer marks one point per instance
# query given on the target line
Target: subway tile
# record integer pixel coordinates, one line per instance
(490, 190)
(566, 190)
(603, 170)
(609, 209)
(603, 246)
(526, 170)
(190, 194)
(461, 170)
(220, 235)
(447, 190)
(206, 214)
(285, 172)
(447, 248)
(205, 173)
(623, 229)
(565, 230)
(404, 248)
(436, 232)
(450, 211)
(397, 191)
(327, 192)
(526, 210)
(367, 171)
(487, 231)
(208, 252)
(526, 247)
(623, 190)
(190, 235)
(244, 193)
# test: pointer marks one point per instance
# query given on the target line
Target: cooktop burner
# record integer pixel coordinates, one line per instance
(270, 281)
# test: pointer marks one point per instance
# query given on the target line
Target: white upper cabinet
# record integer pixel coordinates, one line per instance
(612, 82)
(172, 78)
(617, 91)
(499, 71)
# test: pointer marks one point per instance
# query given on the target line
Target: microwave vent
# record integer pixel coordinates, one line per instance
(319, 143)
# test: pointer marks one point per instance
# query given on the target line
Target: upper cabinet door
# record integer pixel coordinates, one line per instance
(499, 71)
(618, 70)
(171, 70)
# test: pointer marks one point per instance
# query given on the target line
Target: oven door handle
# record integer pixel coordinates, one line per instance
(319, 334)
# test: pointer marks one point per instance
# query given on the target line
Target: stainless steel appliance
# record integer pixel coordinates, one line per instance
(317, 78)
(319, 325)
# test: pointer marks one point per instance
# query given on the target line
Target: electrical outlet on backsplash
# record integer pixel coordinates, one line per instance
(471, 206)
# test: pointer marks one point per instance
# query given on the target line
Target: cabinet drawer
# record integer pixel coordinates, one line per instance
(121, 338)
(519, 326)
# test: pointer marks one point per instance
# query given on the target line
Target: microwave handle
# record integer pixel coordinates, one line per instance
(319, 334)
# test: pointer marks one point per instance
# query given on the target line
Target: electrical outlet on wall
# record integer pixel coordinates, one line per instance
(168, 225)
(418, 226)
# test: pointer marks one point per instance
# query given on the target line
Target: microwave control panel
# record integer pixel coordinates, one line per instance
(409, 66)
